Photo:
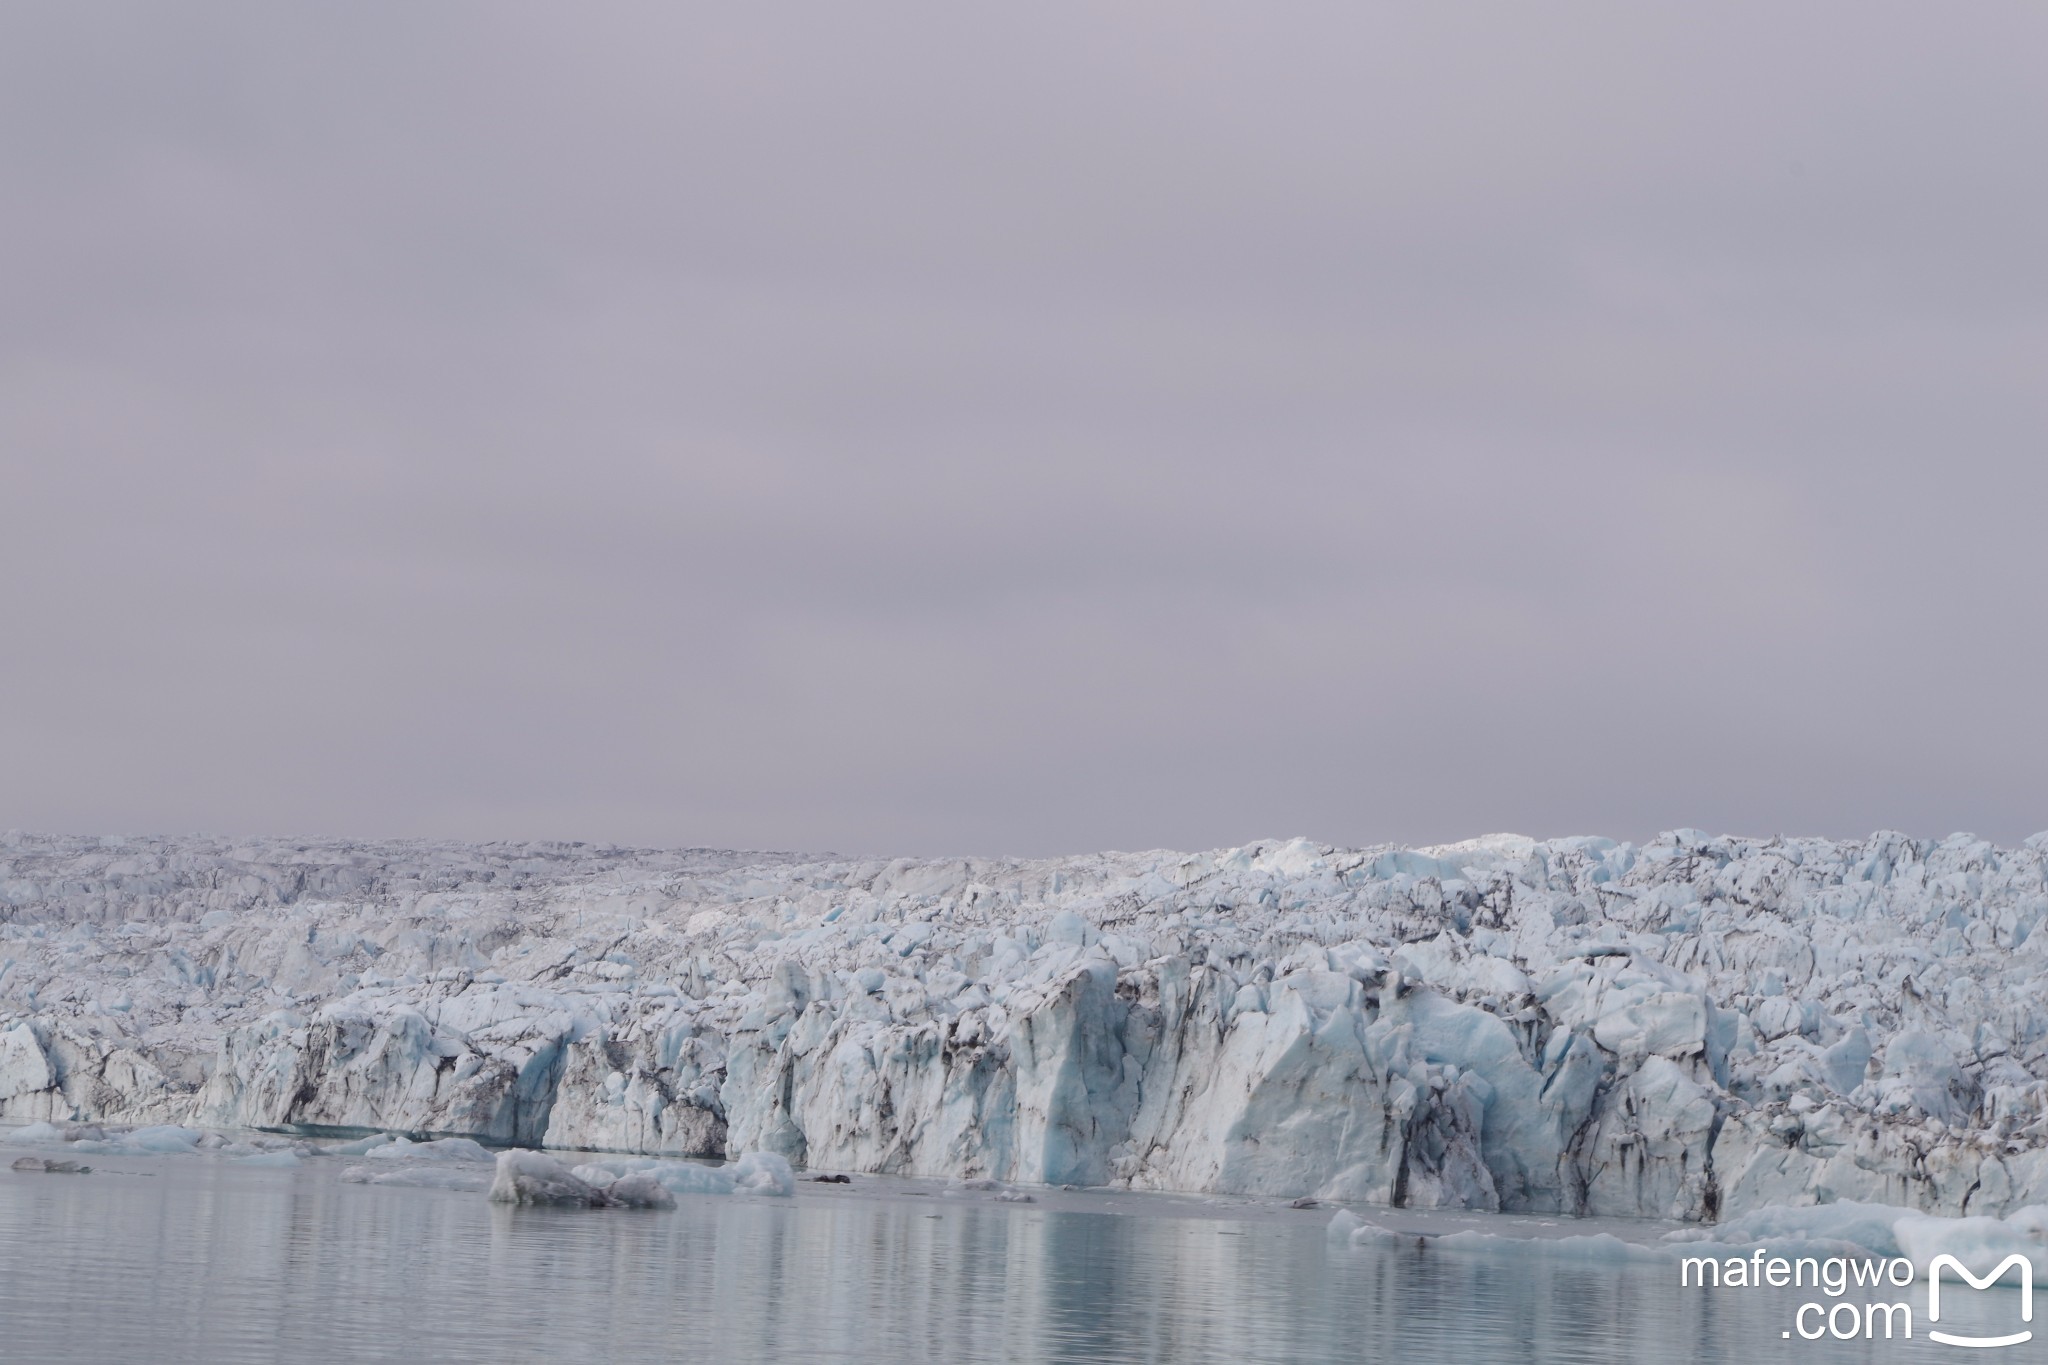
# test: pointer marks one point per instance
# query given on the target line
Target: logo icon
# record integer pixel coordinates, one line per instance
(2026, 1269)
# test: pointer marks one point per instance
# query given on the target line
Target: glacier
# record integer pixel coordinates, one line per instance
(1694, 1028)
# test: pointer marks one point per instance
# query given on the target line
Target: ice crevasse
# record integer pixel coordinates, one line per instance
(1693, 1028)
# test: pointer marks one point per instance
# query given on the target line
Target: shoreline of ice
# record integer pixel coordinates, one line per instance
(1690, 1030)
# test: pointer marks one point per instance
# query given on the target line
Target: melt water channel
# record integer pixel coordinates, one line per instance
(201, 1259)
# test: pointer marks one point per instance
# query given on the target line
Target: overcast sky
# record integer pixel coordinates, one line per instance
(932, 428)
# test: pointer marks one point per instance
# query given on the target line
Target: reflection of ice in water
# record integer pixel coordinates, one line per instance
(183, 1259)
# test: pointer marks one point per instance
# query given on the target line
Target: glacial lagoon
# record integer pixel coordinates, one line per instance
(203, 1258)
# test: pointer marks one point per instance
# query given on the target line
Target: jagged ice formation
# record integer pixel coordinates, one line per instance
(1689, 1029)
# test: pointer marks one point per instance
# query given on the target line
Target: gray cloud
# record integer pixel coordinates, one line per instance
(922, 428)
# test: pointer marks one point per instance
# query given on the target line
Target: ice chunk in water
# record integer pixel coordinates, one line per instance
(162, 1139)
(605, 1169)
(763, 1173)
(1348, 1229)
(1845, 1223)
(685, 1177)
(1977, 1242)
(1885, 1230)
(535, 1178)
(361, 1146)
(640, 1190)
(50, 1166)
(440, 1149)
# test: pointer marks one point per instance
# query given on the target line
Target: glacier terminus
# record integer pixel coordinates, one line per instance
(1694, 1028)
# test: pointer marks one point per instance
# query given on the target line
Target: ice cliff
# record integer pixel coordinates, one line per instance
(1693, 1029)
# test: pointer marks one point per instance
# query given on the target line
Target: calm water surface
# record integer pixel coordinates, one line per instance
(197, 1259)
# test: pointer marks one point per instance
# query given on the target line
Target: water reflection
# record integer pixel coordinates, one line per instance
(193, 1260)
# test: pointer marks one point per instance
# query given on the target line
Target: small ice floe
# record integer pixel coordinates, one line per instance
(759, 1173)
(49, 1166)
(438, 1150)
(90, 1137)
(1348, 1229)
(983, 1185)
(162, 1139)
(440, 1164)
(222, 1145)
(360, 1146)
(640, 1190)
(1844, 1227)
(629, 1184)
(525, 1177)
(535, 1178)
(1977, 1241)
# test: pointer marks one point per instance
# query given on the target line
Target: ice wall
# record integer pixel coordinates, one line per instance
(1690, 1029)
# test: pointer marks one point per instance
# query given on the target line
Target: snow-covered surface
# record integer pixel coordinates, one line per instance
(1695, 1028)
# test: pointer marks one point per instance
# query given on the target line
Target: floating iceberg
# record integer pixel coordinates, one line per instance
(361, 1146)
(1349, 1230)
(639, 1191)
(163, 1139)
(526, 1177)
(36, 1165)
(755, 1173)
(763, 1173)
(436, 1150)
(536, 1178)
